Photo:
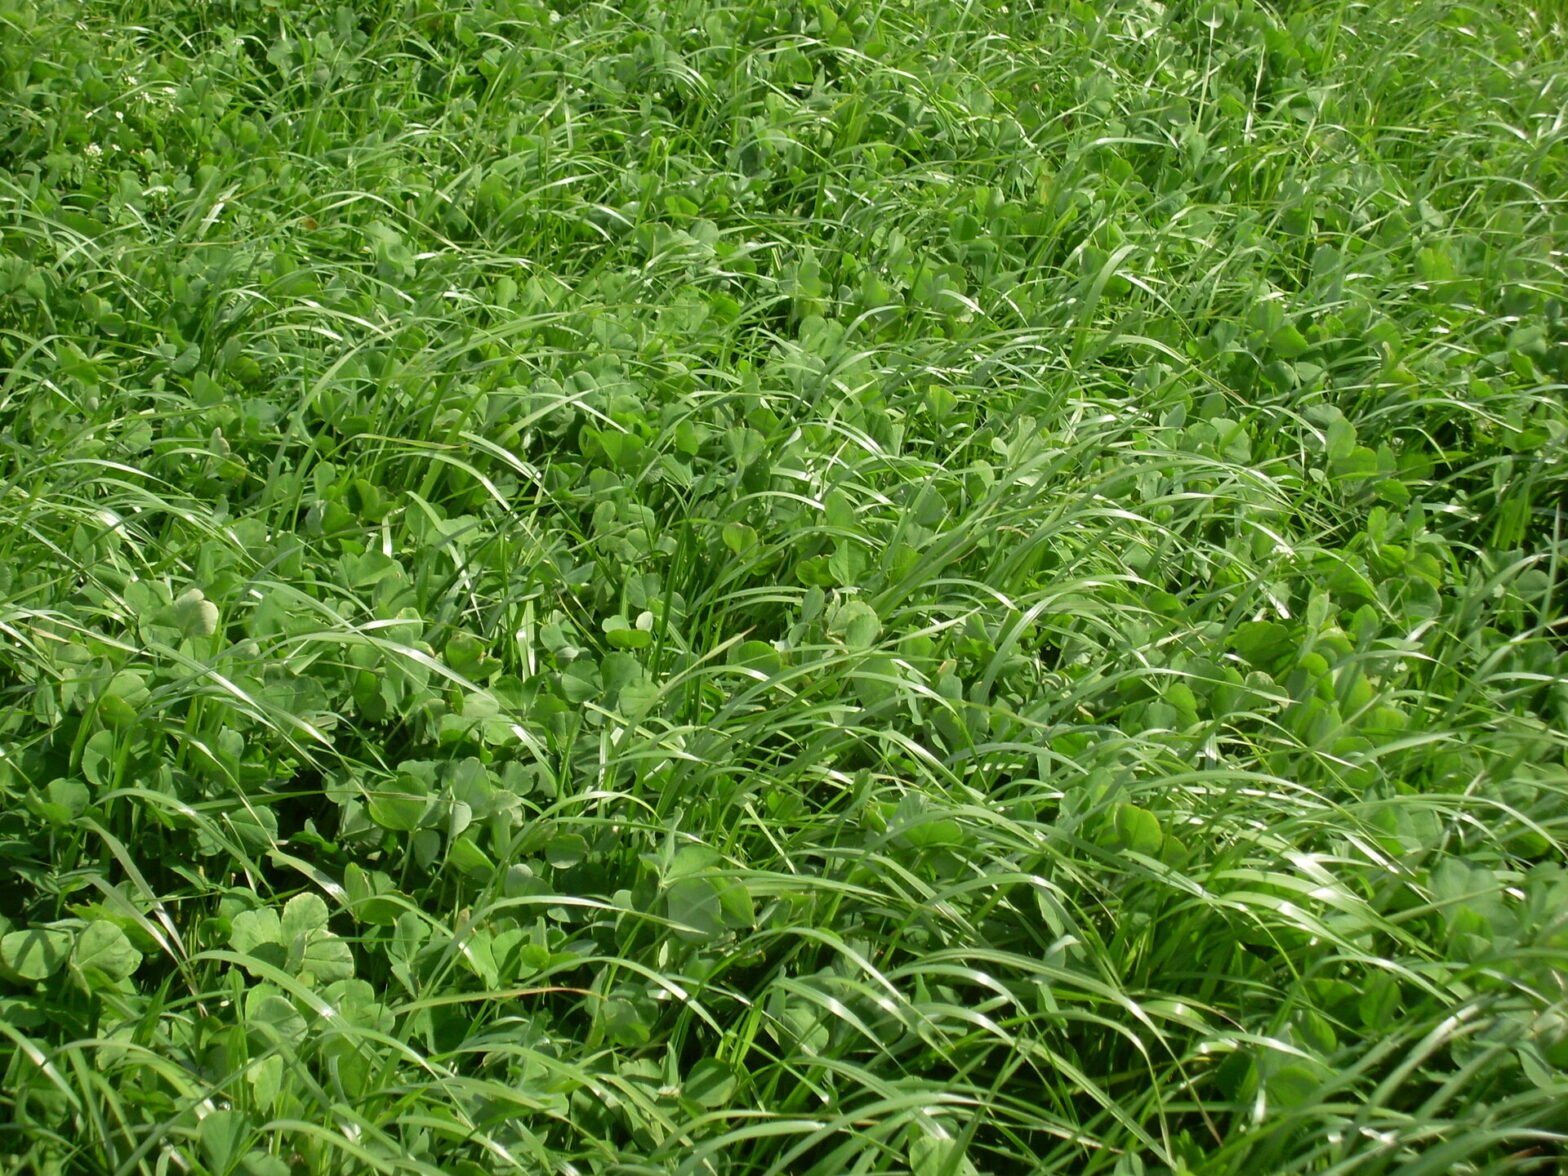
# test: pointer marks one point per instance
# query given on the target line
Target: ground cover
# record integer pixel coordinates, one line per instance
(812, 588)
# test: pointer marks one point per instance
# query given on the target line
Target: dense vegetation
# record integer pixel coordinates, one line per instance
(819, 587)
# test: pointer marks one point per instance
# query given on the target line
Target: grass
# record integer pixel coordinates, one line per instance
(783, 589)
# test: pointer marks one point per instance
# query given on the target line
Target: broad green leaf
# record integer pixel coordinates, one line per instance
(566, 850)
(104, 947)
(621, 634)
(259, 1163)
(705, 902)
(848, 564)
(1340, 439)
(839, 511)
(116, 712)
(399, 805)
(372, 897)
(98, 759)
(695, 907)
(1262, 643)
(34, 954)
(1288, 342)
(249, 930)
(254, 829)
(464, 855)
(877, 679)
(710, 1083)
(757, 655)
(425, 847)
(856, 624)
(1137, 829)
(623, 1024)
(932, 833)
(266, 1081)
(619, 669)
(1174, 853)
(193, 614)
(805, 1022)
(409, 932)
(478, 956)
(580, 681)
(815, 572)
(355, 1001)
(1292, 1085)
(929, 507)
(1360, 462)
(469, 656)
(130, 686)
(1393, 492)
(636, 699)
(223, 1136)
(739, 538)
(305, 914)
(61, 801)
(270, 1013)
(932, 1155)
(738, 910)
(692, 860)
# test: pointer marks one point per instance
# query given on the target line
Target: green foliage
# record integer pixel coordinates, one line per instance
(757, 589)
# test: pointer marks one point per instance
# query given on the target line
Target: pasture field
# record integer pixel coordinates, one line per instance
(783, 588)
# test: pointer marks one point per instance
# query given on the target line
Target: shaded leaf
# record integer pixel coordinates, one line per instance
(1137, 829)
(104, 947)
(856, 624)
(710, 1083)
(35, 954)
